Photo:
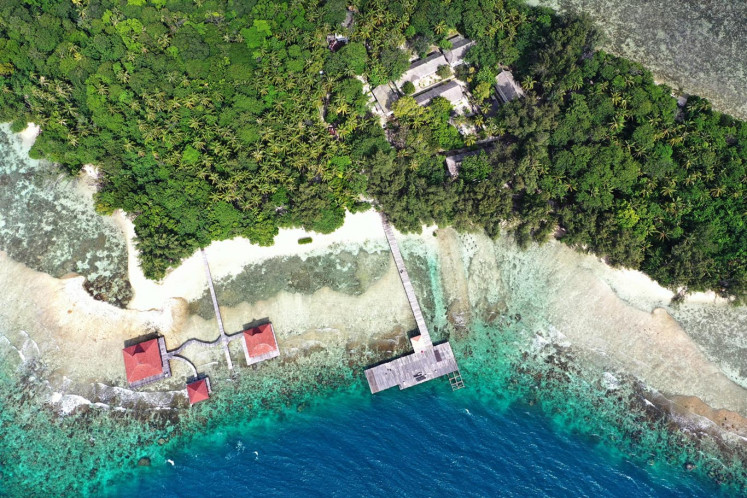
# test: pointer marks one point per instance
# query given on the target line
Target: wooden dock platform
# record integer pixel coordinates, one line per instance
(428, 361)
(413, 369)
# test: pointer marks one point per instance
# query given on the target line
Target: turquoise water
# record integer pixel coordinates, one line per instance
(426, 441)
(533, 420)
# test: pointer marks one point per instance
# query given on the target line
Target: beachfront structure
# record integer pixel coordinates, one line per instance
(260, 344)
(428, 361)
(459, 46)
(146, 362)
(506, 87)
(422, 72)
(450, 90)
(199, 390)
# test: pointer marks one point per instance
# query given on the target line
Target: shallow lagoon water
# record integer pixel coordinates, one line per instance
(697, 47)
(533, 419)
(48, 222)
(547, 422)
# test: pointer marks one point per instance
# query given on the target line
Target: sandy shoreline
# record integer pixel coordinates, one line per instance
(612, 314)
(227, 258)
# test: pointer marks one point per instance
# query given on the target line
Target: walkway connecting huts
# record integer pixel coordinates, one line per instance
(260, 344)
(146, 362)
(427, 361)
(223, 336)
(506, 87)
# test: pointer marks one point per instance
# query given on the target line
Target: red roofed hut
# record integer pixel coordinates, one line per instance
(260, 344)
(198, 390)
(146, 362)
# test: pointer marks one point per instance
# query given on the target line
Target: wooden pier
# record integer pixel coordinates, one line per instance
(413, 369)
(428, 361)
(223, 336)
(409, 290)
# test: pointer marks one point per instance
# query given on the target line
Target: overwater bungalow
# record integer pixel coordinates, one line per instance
(260, 344)
(146, 362)
(199, 390)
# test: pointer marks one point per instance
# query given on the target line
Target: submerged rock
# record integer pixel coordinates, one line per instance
(143, 462)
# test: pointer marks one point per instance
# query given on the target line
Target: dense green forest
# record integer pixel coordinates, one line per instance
(210, 120)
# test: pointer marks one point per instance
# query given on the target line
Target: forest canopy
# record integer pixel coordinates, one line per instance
(212, 119)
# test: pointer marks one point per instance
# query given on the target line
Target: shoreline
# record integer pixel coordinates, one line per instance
(228, 258)
(565, 297)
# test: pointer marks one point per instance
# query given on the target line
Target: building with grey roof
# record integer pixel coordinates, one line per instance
(422, 68)
(451, 91)
(385, 96)
(459, 46)
(507, 88)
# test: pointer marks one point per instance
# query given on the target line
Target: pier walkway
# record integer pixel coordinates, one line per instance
(223, 337)
(409, 290)
(428, 361)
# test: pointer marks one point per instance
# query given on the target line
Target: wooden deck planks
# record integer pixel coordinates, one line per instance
(412, 369)
(428, 361)
(223, 335)
(405, 277)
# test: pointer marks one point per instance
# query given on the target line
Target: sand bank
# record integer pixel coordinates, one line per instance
(28, 136)
(229, 257)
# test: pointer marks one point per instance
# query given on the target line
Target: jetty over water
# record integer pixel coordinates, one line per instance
(428, 361)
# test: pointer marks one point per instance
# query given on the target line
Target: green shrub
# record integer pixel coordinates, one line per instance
(443, 71)
(408, 88)
(305, 240)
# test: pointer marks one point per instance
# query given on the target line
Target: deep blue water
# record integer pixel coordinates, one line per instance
(426, 441)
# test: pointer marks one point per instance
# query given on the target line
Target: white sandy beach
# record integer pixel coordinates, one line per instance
(229, 257)
(611, 313)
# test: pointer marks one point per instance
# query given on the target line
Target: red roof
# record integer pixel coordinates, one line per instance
(260, 340)
(198, 391)
(143, 360)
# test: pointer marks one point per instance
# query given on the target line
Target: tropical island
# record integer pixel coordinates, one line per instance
(572, 228)
(212, 120)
